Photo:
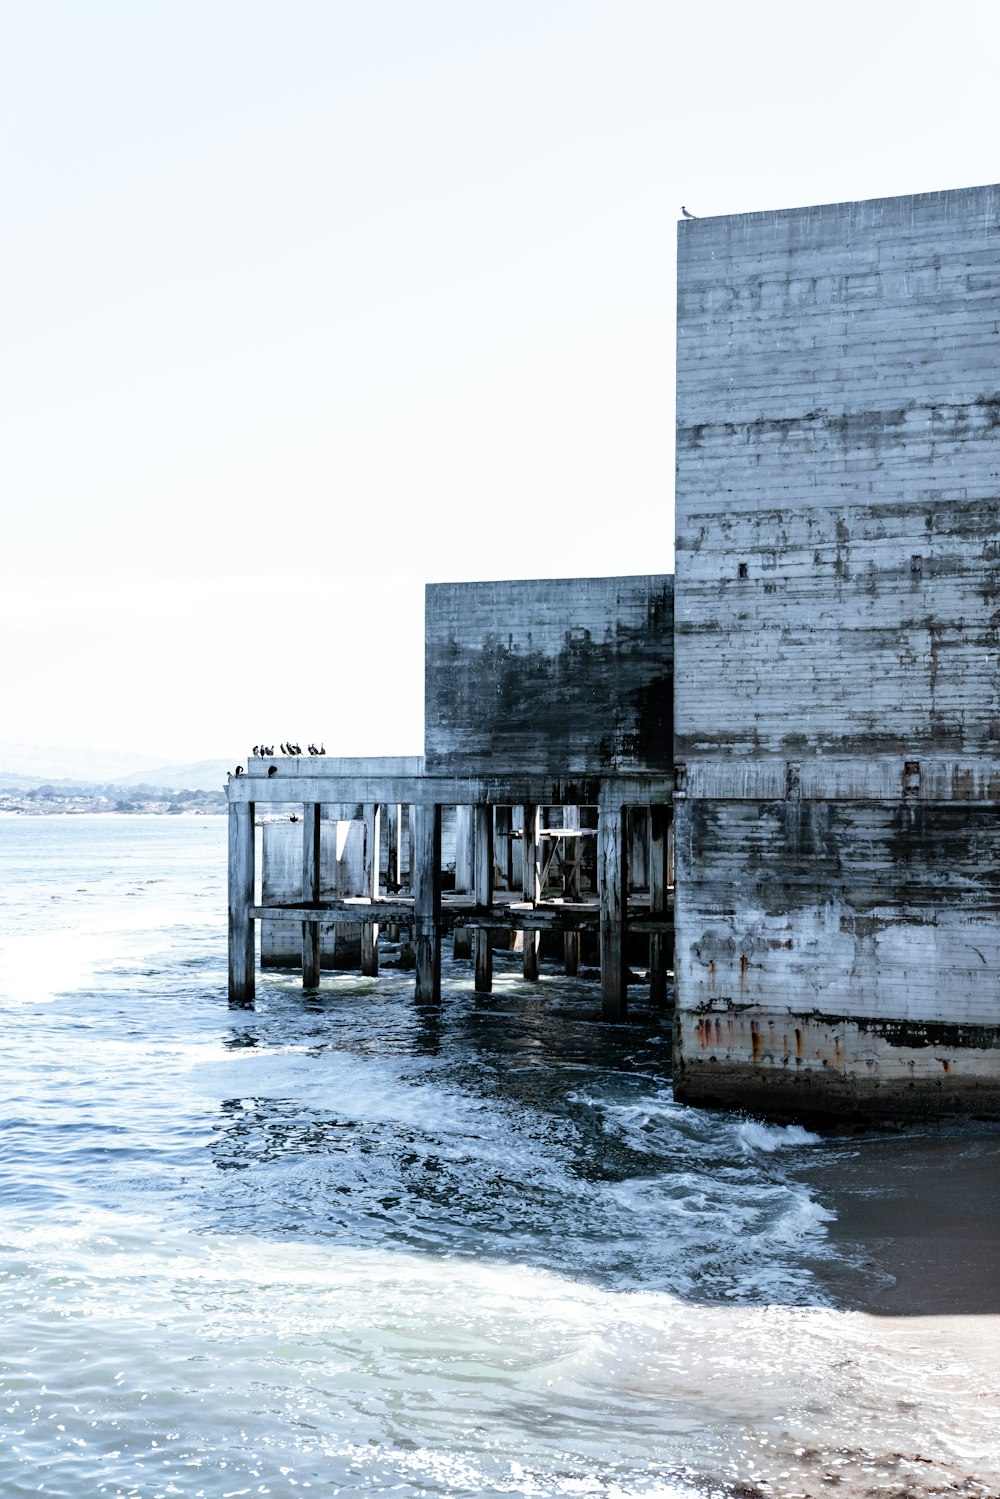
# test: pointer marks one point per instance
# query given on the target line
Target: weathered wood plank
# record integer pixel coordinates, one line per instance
(550, 916)
(241, 896)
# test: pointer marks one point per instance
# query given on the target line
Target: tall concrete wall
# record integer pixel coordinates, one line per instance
(837, 648)
(564, 675)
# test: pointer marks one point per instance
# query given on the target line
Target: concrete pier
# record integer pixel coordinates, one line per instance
(542, 697)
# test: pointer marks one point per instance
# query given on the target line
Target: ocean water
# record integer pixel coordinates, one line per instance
(343, 1244)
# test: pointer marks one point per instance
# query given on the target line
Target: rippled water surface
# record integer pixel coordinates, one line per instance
(342, 1243)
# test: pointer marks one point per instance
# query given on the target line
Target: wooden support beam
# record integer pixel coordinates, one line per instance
(502, 916)
(241, 897)
(464, 872)
(369, 932)
(482, 943)
(311, 930)
(425, 825)
(326, 785)
(531, 886)
(612, 876)
(571, 891)
(659, 818)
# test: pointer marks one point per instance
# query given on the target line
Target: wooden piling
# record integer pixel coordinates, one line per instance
(571, 890)
(503, 864)
(311, 930)
(612, 874)
(504, 848)
(483, 894)
(464, 872)
(370, 873)
(531, 885)
(425, 877)
(393, 860)
(241, 898)
(659, 818)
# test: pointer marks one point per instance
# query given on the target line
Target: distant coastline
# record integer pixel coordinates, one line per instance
(80, 797)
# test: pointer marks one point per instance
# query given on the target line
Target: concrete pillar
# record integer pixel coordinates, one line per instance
(532, 887)
(612, 876)
(241, 893)
(483, 893)
(659, 818)
(369, 931)
(425, 876)
(310, 893)
(464, 872)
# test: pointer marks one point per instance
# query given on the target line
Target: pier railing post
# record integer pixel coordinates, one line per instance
(612, 875)
(425, 877)
(482, 943)
(369, 931)
(241, 893)
(311, 930)
(658, 823)
(531, 885)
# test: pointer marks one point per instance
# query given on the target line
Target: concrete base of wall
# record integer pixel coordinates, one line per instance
(786, 1066)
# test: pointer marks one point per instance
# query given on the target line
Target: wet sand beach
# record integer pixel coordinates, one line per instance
(917, 1218)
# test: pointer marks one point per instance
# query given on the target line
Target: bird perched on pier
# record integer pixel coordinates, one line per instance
(239, 770)
(686, 214)
(312, 749)
(266, 750)
(321, 750)
(272, 770)
(285, 750)
(255, 751)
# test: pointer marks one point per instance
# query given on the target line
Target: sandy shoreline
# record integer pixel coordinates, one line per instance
(917, 1223)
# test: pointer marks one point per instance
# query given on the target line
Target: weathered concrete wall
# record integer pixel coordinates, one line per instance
(837, 643)
(565, 675)
(342, 845)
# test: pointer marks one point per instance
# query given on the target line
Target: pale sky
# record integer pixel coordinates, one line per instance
(305, 305)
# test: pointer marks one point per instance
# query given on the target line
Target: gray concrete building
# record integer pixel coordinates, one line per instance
(814, 700)
(837, 657)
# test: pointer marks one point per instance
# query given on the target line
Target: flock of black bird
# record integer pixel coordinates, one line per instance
(265, 751)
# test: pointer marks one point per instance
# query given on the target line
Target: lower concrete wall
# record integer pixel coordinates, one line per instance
(838, 958)
(342, 843)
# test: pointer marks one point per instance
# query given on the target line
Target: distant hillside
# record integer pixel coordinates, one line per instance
(26, 766)
(202, 775)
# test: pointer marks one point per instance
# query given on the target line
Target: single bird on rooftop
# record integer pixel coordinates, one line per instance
(686, 214)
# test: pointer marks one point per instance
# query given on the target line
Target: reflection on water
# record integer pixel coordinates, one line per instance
(348, 1243)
